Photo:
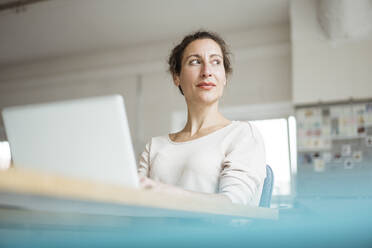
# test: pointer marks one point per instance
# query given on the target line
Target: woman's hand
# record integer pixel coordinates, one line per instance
(149, 184)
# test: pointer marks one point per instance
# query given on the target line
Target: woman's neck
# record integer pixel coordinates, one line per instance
(203, 118)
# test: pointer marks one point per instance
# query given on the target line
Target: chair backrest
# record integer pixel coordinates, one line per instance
(267, 189)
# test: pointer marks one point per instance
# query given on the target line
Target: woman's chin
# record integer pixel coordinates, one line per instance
(208, 98)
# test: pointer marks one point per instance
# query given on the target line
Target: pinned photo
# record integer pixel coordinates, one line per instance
(335, 128)
(326, 112)
(346, 150)
(316, 155)
(358, 156)
(319, 165)
(308, 158)
(369, 141)
(368, 114)
(327, 143)
(348, 164)
(337, 157)
(327, 157)
(361, 130)
(308, 113)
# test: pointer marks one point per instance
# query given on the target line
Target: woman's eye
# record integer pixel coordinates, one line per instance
(216, 62)
(194, 62)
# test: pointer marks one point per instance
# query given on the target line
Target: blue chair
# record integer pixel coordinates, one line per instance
(267, 189)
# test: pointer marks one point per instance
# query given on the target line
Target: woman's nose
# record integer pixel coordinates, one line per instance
(206, 71)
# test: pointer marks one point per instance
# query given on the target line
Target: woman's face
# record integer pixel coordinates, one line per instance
(202, 77)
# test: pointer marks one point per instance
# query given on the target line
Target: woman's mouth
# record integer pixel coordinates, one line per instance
(206, 85)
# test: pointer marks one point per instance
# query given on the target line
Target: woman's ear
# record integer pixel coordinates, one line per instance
(176, 79)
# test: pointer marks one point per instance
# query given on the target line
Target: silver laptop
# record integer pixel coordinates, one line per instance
(85, 138)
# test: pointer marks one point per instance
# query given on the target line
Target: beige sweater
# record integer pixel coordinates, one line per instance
(229, 161)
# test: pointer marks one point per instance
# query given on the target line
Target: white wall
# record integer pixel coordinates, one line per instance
(260, 78)
(261, 75)
(325, 70)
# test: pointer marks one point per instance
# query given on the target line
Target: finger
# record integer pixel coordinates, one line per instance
(146, 183)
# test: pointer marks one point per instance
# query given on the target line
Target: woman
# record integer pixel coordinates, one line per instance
(211, 157)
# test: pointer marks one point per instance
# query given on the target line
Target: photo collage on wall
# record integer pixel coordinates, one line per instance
(335, 136)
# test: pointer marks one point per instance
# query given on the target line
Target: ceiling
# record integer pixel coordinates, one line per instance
(55, 28)
(344, 19)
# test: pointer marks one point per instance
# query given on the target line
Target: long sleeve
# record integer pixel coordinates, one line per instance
(243, 171)
(144, 161)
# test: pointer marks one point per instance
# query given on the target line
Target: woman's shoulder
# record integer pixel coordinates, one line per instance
(155, 143)
(244, 126)
(246, 129)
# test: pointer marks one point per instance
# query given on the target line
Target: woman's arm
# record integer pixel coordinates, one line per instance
(149, 184)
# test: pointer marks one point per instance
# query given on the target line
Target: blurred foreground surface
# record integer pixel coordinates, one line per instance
(312, 222)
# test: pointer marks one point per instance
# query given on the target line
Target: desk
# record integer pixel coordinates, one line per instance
(34, 190)
(39, 209)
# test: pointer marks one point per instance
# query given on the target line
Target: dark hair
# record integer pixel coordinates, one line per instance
(175, 58)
